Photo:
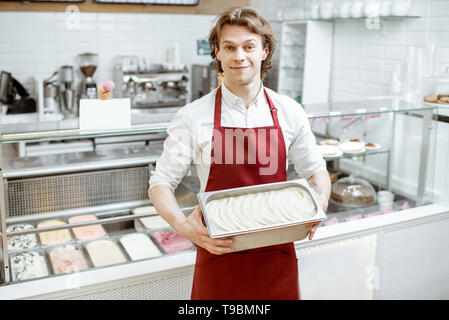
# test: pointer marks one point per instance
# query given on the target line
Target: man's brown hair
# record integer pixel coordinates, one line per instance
(244, 17)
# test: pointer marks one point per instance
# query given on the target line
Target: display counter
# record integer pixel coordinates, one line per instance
(353, 253)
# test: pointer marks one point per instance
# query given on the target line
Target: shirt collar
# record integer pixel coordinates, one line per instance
(235, 101)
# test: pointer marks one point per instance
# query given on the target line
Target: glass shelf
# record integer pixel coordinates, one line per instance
(365, 18)
(360, 108)
(152, 123)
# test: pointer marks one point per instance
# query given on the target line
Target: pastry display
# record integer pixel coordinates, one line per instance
(353, 192)
(25, 241)
(105, 253)
(171, 242)
(261, 209)
(330, 151)
(432, 98)
(440, 99)
(87, 232)
(371, 145)
(331, 142)
(67, 259)
(28, 265)
(352, 147)
(139, 246)
(54, 237)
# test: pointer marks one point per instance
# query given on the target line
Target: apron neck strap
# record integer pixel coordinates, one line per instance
(217, 111)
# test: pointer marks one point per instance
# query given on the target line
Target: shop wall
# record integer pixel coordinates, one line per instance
(34, 44)
(362, 63)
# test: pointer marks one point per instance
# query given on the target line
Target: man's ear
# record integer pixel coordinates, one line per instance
(266, 52)
(217, 53)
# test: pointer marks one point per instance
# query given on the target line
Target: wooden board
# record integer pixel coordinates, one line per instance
(204, 7)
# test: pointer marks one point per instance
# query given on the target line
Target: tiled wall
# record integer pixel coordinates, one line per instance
(362, 64)
(37, 43)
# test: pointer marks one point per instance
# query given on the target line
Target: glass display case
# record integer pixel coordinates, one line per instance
(67, 209)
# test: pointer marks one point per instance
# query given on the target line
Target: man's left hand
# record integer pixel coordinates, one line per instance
(324, 203)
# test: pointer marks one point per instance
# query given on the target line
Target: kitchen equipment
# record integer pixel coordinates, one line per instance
(88, 63)
(51, 95)
(204, 80)
(267, 235)
(67, 96)
(152, 90)
(352, 192)
(14, 95)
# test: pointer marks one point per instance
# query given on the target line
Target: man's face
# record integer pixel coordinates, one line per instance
(241, 54)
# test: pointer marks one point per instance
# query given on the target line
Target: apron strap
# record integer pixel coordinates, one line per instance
(273, 110)
(217, 111)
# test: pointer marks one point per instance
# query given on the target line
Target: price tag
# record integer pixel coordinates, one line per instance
(356, 217)
(348, 118)
(334, 220)
(320, 120)
(373, 115)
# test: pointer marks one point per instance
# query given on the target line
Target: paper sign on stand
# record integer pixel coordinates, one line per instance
(112, 114)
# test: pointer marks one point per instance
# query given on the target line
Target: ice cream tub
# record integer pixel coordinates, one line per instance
(67, 258)
(28, 265)
(22, 242)
(105, 252)
(277, 221)
(54, 237)
(169, 242)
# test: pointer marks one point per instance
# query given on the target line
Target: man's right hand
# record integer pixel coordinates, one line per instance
(193, 229)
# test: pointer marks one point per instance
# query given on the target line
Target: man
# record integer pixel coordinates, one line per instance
(204, 131)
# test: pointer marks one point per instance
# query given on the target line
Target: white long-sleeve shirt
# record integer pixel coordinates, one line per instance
(190, 135)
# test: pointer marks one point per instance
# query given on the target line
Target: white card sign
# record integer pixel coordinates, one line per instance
(112, 114)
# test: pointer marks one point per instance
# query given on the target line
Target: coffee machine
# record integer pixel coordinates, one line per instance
(88, 63)
(67, 94)
(14, 95)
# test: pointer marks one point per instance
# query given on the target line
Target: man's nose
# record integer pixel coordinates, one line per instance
(239, 54)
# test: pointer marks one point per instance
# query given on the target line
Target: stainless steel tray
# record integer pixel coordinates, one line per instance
(267, 235)
(76, 245)
(41, 252)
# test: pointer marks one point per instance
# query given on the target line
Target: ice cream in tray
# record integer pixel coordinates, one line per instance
(261, 215)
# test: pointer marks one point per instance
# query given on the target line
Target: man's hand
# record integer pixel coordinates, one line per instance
(193, 229)
(314, 227)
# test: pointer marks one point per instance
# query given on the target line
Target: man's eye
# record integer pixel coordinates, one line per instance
(228, 47)
(250, 47)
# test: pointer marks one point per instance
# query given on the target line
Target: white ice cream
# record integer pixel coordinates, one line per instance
(104, 253)
(139, 246)
(261, 209)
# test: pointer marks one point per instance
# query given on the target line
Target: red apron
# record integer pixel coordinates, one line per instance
(262, 273)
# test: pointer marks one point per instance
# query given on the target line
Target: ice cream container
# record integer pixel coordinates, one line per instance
(153, 222)
(90, 232)
(168, 249)
(55, 237)
(40, 269)
(54, 268)
(22, 242)
(99, 251)
(266, 235)
(140, 246)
